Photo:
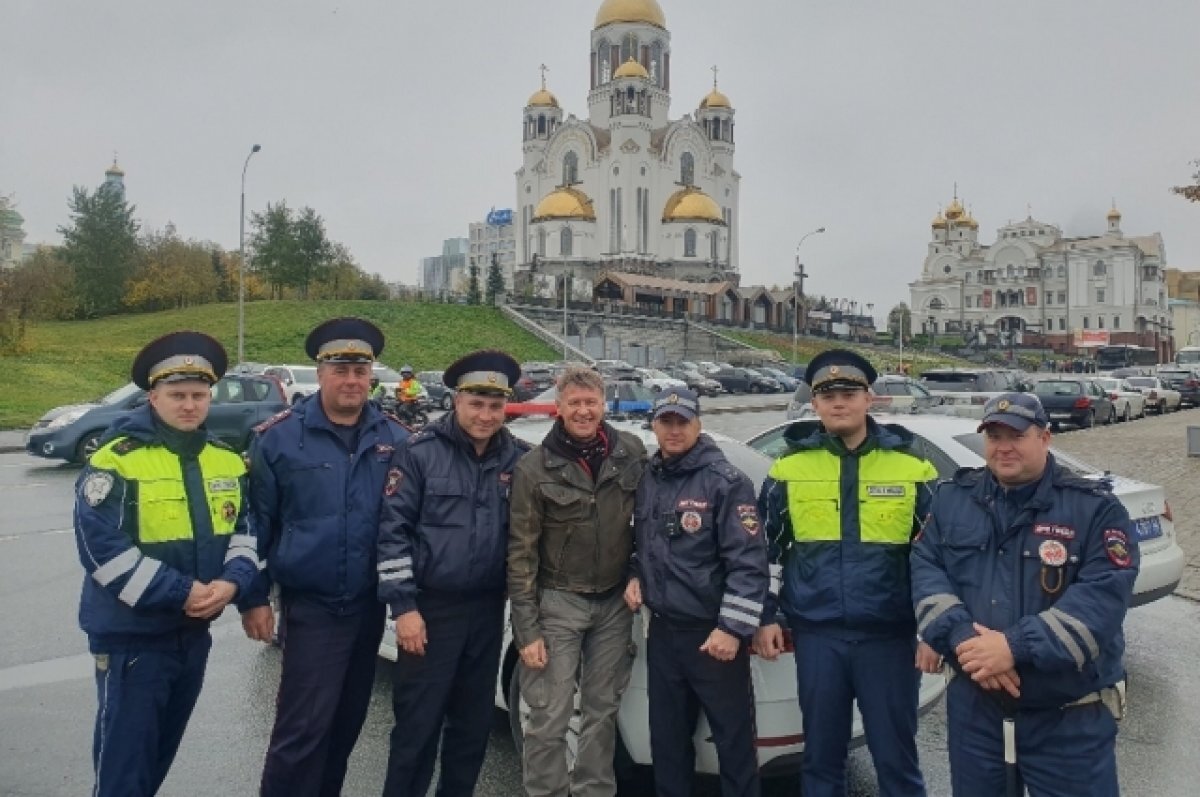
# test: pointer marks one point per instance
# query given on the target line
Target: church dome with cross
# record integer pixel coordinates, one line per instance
(616, 183)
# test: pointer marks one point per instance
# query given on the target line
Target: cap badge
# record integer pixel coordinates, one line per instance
(492, 379)
(673, 398)
(1003, 404)
(834, 370)
(189, 361)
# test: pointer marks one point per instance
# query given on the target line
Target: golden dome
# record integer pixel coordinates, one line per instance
(1114, 213)
(939, 220)
(969, 221)
(565, 203)
(115, 169)
(955, 211)
(647, 11)
(631, 68)
(715, 99)
(692, 204)
(542, 98)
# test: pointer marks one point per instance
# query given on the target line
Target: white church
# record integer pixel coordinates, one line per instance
(626, 188)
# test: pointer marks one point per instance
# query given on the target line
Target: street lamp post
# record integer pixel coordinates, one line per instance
(242, 262)
(565, 278)
(798, 293)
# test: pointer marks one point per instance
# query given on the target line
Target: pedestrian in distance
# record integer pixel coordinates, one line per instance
(700, 568)
(568, 555)
(443, 540)
(841, 509)
(1021, 579)
(317, 474)
(160, 522)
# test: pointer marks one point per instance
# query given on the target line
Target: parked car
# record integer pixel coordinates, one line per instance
(659, 381)
(951, 443)
(766, 383)
(696, 381)
(893, 394)
(1159, 397)
(744, 380)
(72, 433)
(617, 371)
(780, 738)
(541, 374)
(789, 383)
(439, 394)
(1079, 402)
(1127, 400)
(1184, 380)
(298, 380)
(964, 392)
(628, 399)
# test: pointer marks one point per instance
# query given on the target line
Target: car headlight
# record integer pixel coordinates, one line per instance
(67, 418)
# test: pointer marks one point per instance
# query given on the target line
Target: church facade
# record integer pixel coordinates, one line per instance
(625, 188)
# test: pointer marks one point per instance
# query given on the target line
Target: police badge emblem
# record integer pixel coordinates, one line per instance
(228, 512)
(691, 522)
(96, 487)
(1053, 553)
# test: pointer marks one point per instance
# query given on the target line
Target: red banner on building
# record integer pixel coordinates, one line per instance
(1091, 337)
(1031, 296)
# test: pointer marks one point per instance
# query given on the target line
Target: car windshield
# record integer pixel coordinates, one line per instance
(1109, 384)
(951, 381)
(385, 374)
(657, 374)
(1142, 381)
(304, 376)
(974, 442)
(1057, 388)
(120, 394)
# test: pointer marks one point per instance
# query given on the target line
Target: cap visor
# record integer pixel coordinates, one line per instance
(1013, 422)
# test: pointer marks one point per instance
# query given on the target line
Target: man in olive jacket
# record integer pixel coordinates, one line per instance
(570, 541)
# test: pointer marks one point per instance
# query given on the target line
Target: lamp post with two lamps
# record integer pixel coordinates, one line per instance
(798, 293)
(242, 262)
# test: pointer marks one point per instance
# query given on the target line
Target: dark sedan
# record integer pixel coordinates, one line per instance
(1079, 402)
(744, 380)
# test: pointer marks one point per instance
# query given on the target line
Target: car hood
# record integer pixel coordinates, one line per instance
(63, 410)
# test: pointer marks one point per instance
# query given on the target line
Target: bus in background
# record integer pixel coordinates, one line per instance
(1188, 357)
(1109, 358)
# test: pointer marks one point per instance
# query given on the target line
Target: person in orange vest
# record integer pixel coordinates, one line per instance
(408, 390)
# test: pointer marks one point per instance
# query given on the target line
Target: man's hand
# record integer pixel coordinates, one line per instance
(534, 655)
(199, 593)
(410, 633)
(1008, 681)
(259, 623)
(633, 594)
(928, 659)
(220, 593)
(768, 641)
(721, 645)
(985, 656)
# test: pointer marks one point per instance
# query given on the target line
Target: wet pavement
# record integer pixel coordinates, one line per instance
(47, 696)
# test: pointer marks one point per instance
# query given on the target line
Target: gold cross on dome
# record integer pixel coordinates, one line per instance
(543, 69)
(714, 71)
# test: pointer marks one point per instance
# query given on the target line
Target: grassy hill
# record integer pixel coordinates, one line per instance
(884, 359)
(72, 361)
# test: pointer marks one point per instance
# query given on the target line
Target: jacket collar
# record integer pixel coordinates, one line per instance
(889, 437)
(984, 486)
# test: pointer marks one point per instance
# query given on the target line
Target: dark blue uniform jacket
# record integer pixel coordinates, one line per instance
(444, 526)
(700, 553)
(316, 504)
(969, 566)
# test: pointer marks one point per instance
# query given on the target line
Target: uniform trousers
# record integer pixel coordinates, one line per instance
(324, 690)
(145, 697)
(448, 695)
(1061, 752)
(832, 672)
(681, 680)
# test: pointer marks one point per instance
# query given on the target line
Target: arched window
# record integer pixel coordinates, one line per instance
(541, 125)
(687, 169)
(936, 303)
(566, 242)
(1010, 271)
(656, 64)
(1062, 271)
(712, 239)
(570, 169)
(689, 243)
(541, 242)
(1099, 269)
(629, 47)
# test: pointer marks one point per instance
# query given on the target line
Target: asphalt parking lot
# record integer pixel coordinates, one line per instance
(47, 698)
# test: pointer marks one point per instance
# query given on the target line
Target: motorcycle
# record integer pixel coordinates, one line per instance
(412, 414)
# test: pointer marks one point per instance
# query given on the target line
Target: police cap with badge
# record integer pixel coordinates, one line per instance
(488, 373)
(1017, 411)
(839, 369)
(678, 400)
(177, 357)
(344, 340)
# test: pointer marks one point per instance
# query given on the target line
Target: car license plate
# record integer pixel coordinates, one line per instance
(1148, 528)
(1060, 416)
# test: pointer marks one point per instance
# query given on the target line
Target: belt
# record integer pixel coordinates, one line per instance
(1113, 697)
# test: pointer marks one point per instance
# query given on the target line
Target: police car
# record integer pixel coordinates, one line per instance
(951, 443)
(780, 739)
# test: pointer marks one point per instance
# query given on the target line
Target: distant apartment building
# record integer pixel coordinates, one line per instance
(495, 236)
(446, 273)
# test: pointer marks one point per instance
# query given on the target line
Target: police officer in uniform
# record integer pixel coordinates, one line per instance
(700, 567)
(1021, 579)
(841, 509)
(162, 534)
(442, 547)
(317, 474)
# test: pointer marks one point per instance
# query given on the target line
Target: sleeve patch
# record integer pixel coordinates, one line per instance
(1116, 545)
(96, 487)
(748, 516)
(394, 479)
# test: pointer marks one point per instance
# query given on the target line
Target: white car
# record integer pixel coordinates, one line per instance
(1128, 402)
(298, 380)
(658, 381)
(780, 741)
(1159, 397)
(952, 443)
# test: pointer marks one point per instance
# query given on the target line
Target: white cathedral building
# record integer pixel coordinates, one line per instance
(626, 188)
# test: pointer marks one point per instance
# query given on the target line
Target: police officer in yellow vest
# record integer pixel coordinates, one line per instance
(161, 531)
(841, 508)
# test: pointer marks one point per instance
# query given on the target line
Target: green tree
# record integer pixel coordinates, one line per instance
(495, 280)
(314, 251)
(473, 295)
(274, 247)
(900, 317)
(101, 246)
(171, 273)
(1190, 192)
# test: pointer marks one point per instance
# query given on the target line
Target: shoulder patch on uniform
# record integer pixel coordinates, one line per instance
(274, 419)
(96, 487)
(395, 477)
(748, 517)
(127, 444)
(1116, 545)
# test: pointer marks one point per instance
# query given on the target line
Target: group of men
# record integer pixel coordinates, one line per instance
(1017, 575)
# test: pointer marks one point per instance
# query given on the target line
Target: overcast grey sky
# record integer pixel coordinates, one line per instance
(400, 122)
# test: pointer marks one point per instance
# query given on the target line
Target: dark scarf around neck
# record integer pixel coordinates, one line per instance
(590, 454)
